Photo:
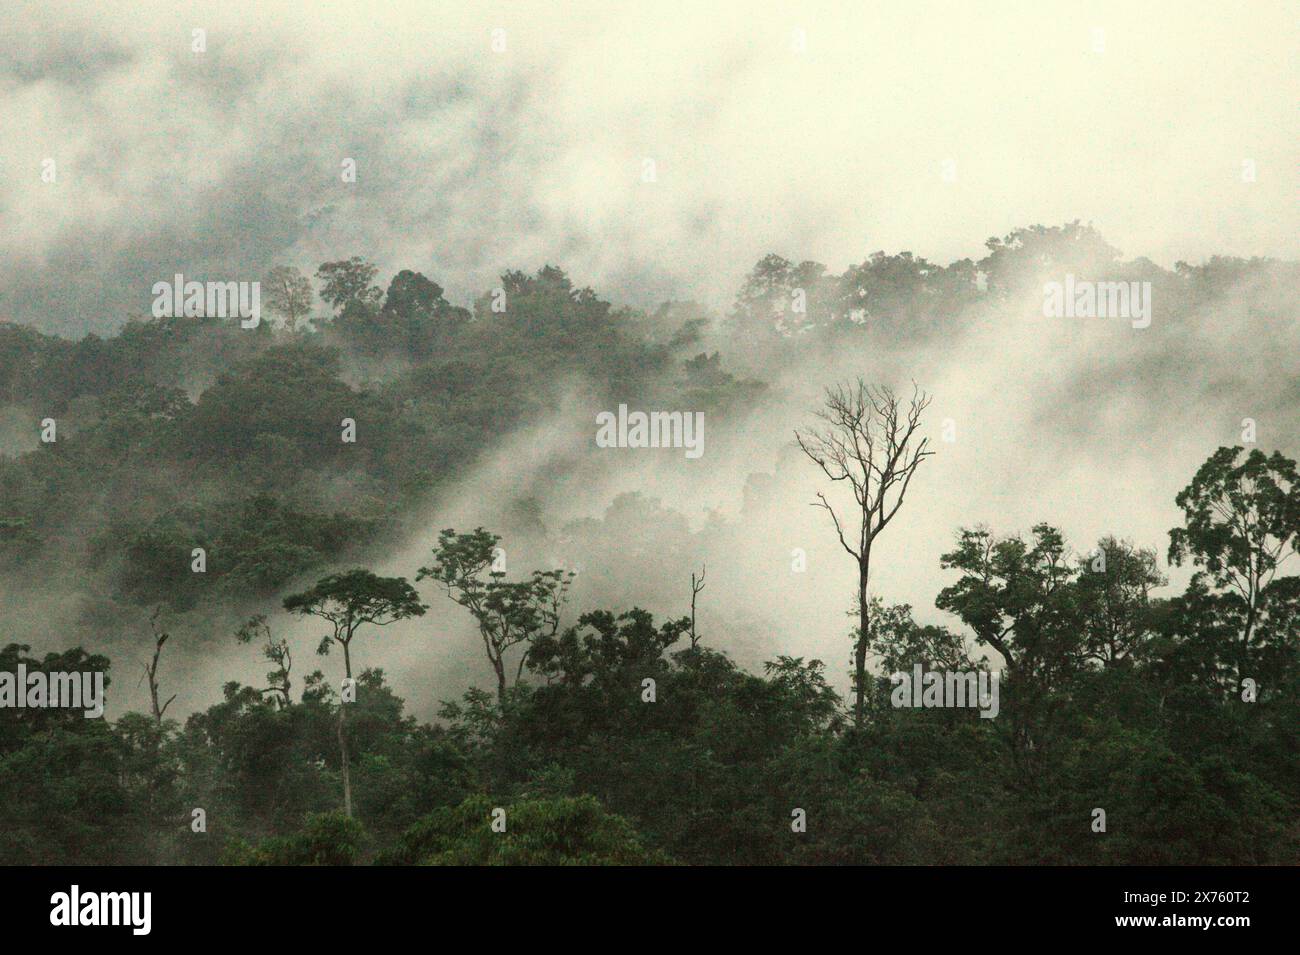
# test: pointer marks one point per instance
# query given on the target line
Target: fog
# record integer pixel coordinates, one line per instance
(1075, 423)
(813, 130)
(826, 143)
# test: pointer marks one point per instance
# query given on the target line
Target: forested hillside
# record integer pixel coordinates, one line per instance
(603, 733)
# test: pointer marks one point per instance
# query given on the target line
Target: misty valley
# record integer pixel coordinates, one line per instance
(958, 578)
(631, 441)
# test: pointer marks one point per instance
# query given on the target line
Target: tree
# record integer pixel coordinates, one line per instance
(349, 601)
(415, 314)
(349, 282)
(1242, 523)
(288, 294)
(276, 651)
(902, 293)
(1024, 252)
(866, 438)
(697, 587)
(1114, 593)
(413, 295)
(151, 668)
(900, 642)
(508, 614)
(1018, 597)
(1011, 592)
(603, 647)
(781, 297)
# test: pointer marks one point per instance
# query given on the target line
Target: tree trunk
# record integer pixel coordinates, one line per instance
(343, 739)
(500, 667)
(1252, 608)
(860, 651)
(347, 773)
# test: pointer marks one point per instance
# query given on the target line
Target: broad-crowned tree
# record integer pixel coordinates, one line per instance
(349, 282)
(349, 601)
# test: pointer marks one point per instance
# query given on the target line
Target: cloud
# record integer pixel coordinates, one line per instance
(472, 161)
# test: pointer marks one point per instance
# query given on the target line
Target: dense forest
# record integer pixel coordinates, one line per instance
(602, 733)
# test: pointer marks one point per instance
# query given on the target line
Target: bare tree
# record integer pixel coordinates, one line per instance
(151, 669)
(696, 587)
(289, 294)
(867, 439)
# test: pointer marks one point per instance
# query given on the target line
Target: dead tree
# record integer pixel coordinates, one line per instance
(868, 440)
(151, 669)
(696, 587)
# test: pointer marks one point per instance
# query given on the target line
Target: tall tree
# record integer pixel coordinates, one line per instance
(349, 601)
(868, 439)
(508, 613)
(1013, 593)
(1019, 598)
(415, 315)
(1242, 523)
(1114, 594)
(413, 295)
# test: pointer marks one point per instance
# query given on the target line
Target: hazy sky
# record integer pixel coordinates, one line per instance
(814, 130)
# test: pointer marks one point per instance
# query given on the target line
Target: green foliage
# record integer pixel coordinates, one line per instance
(347, 282)
(1108, 707)
(357, 597)
(537, 832)
(184, 433)
(325, 839)
(508, 613)
(1242, 520)
(253, 547)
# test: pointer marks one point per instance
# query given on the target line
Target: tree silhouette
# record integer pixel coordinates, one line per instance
(868, 439)
(349, 601)
(508, 614)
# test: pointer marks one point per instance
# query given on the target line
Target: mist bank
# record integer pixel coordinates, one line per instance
(491, 133)
(1088, 423)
